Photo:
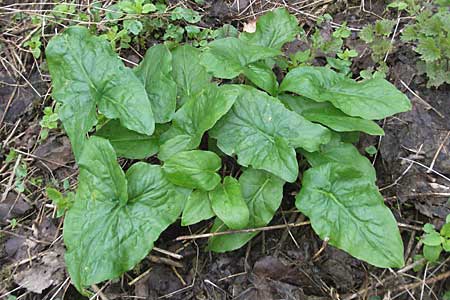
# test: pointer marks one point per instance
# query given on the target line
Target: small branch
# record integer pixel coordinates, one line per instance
(250, 230)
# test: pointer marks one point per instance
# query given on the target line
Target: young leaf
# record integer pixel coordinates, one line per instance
(263, 133)
(262, 76)
(197, 208)
(191, 77)
(263, 193)
(105, 234)
(343, 153)
(195, 169)
(227, 58)
(85, 71)
(155, 71)
(371, 99)
(195, 117)
(229, 205)
(328, 115)
(128, 143)
(273, 29)
(432, 253)
(344, 205)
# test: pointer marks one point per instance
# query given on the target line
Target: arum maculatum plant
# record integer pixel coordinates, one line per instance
(171, 105)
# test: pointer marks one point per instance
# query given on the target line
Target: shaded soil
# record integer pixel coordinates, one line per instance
(291, 263)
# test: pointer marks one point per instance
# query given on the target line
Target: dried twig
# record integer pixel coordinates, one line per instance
(250, 230)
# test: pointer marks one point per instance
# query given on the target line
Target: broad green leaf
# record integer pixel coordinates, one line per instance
(190, 76)
(328, 115)
(194, 169)
(273, 29)
(263, 133)
(371, 99)
(263, 193)
(195, 117)
(86, 72)
(128, 143)
(197, 208)
(343, 153)
(106, 236)
(345, 206)
(229, 205)
(178, 143)
(155, 71)
(262, 76)
(227, 58)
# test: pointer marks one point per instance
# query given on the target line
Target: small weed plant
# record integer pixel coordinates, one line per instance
(194, 107)
(431, 34)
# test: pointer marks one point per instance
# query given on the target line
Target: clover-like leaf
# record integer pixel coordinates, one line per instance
(371, 99)
(229, 205)
(198, 114)
(86, 72)
(191, 77)
(155, 71)
(197, 208)
(264, 134)
(193, 169)
(114, 220)
(263, 193)
(344, 206)
(273, 29)
(328, 115)
(128, 143)
(227, 58)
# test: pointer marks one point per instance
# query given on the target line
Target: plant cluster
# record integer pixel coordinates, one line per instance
(435, 242)
(170, 107)
(431, 33)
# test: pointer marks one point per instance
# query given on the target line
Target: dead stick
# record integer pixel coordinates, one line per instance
(250, 230)
(431, 280)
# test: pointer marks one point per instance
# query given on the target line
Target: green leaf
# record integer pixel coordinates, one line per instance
(227, 58)
(344, 205)
(432, 253)
(197, 208)
(428, 49)
(343, 153)
(186, 14)
(263, 133)
(446, 245)
(106, 236)
(133, 26)
(326, 114)
(367, 34)
(195, 117)
(263, 193)
(428, 228)
(445, 230)
(371, 99)
(229, 205)
(175, 145)
(432, 239)
(155, 71)
(190, 76)
(194, 169)
(273, 29)
(262, 76)
(86, 72)
(128, 143)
